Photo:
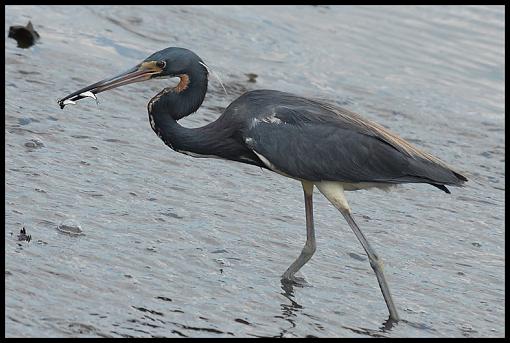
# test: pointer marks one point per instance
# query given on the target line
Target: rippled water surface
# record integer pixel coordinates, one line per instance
(169, 245)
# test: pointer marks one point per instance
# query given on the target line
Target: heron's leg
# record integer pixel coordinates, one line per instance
(310, 246)
(334, 192)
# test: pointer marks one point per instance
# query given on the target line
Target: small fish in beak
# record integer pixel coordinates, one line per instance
(142, 72)
(87, 94)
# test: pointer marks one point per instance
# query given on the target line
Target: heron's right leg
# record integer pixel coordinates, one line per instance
(310, 246)
(334, 192)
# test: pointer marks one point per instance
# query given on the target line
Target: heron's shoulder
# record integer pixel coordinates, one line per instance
(272, 100)
(256, 103)
(264, 95)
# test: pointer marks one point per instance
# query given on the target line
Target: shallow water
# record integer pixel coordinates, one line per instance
(176, 246)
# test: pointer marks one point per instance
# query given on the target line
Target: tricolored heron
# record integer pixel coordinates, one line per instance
(305, 139)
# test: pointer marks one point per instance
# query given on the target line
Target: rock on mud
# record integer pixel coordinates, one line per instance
(26, 36)
(70, 227)
(34, 143)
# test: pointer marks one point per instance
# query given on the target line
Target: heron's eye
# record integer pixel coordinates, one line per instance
(161, 64)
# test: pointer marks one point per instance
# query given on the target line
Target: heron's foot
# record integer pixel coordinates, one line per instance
(293, 280)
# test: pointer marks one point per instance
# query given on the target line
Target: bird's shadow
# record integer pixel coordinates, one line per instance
(290, 311)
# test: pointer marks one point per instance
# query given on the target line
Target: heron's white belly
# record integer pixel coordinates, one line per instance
(334, 190)
(354, 186)
(344, 186)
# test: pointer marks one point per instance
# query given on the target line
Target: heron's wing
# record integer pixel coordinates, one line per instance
(308, 110)
(298, 110)
(305, 147)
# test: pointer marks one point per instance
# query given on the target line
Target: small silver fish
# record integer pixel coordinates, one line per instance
(89, 94)
(68, 102)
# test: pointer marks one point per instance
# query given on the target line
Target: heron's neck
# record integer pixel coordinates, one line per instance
(182, 100)
(172, 104)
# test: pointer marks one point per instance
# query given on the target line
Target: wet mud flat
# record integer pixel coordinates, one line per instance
(130, 239)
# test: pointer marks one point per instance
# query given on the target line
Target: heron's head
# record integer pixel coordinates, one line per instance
(167, 63)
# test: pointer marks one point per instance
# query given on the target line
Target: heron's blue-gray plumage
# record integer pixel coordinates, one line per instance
(300, 137)
(311, 140)
(320, 144)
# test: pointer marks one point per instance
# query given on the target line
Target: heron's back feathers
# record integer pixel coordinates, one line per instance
(312, 140)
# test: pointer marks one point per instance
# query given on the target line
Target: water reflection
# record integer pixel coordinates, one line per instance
(289, 311)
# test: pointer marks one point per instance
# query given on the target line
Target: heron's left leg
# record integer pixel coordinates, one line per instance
(309, 248)
(334, 192)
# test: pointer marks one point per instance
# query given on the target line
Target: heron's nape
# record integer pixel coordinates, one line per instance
(319, 144)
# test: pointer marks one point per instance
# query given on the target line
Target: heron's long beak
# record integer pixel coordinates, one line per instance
(141, 72)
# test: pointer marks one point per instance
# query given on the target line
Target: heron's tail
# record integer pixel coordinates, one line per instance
(438, 175)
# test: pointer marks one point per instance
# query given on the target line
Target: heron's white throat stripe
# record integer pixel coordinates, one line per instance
(270, 165)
